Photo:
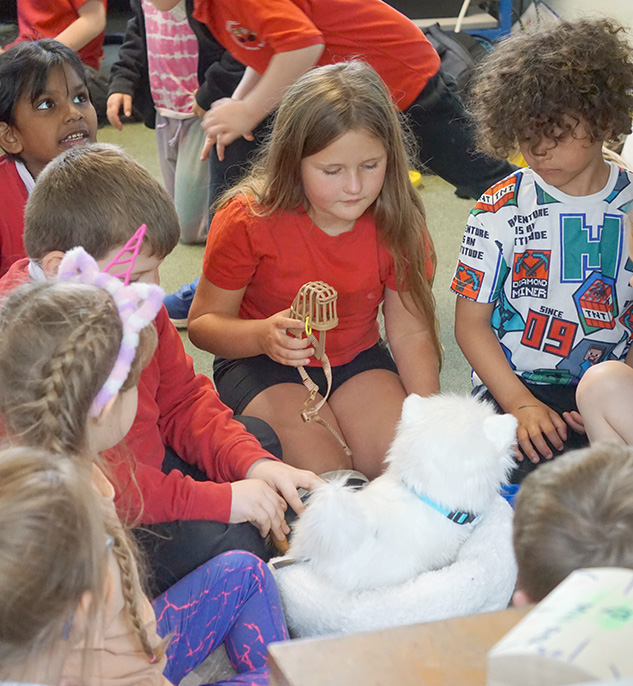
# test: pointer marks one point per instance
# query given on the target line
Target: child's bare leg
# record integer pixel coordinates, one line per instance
(367, 408)
(605, 399)
(307, 446)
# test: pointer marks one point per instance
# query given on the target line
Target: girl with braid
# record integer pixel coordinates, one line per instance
(73, 391)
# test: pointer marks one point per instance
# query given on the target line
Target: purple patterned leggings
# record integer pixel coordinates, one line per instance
(231, 599)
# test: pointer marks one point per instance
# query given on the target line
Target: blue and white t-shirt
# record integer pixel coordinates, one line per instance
(556, 266)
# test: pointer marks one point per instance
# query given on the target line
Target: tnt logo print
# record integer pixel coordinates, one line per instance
(501, 194)
(530, 274)
(596, 303)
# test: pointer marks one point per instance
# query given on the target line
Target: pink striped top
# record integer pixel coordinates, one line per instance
(172, 56)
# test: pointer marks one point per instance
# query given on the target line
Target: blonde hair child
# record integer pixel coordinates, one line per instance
(47, 389)
(72, 390)
(330, 200)
(52, 567)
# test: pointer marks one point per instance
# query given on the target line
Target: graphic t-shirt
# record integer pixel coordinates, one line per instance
(557, 268)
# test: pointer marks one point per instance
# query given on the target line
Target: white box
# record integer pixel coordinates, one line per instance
(581, 632)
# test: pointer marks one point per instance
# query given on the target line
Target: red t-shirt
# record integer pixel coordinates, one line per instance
(179, 408)
(272, 257)
(13, 197)
(45, 19)
(253, 31)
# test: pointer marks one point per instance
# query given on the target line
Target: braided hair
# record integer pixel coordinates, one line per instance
(59, 343)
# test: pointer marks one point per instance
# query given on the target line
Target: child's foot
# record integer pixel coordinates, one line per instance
(178, 304)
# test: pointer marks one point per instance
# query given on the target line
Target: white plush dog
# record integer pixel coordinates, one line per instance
(445, 466)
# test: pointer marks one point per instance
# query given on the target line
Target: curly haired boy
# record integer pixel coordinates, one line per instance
(542, 270)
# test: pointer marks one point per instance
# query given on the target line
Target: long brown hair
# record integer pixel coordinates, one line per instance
(318, 108)
(53, 544)
(59, 343)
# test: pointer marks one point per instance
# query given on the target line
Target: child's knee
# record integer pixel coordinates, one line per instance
(602, 381)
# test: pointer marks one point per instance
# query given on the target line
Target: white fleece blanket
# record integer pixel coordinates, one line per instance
(481, 579)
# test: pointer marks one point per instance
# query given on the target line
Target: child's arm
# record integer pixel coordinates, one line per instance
(411, 344)
(263, 497)
(214, 326)
(164, 5)
(182, 409)
(481, 348)
(604, 398)
(250, 78)
(230, 118)
(129, 70)
(220, 80)
(158, 497)
(91, 22)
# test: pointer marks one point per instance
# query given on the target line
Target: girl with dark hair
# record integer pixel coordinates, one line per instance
(45, 108)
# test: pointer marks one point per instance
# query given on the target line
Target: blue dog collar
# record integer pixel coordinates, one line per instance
(456, 516)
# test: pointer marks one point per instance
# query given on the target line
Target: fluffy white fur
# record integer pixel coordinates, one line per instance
(481, 579)
(453, 449)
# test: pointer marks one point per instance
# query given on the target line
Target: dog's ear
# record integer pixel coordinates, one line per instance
(500, 430)
(412, 408)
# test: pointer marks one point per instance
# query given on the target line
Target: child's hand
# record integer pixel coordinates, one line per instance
(116, 101)
(285, 480)
(226, 121)
(575, 421)
(537, 421)
(254, 501)
(282, 347)
(197, 110)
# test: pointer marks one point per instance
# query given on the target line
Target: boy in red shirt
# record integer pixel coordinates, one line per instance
(279, 40)
(199, 478)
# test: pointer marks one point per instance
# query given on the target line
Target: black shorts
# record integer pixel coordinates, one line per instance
(239, 381)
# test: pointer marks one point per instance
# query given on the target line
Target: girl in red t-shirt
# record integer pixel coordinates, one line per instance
(329, 200)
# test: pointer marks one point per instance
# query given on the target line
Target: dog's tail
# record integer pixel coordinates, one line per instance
(333, 524)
